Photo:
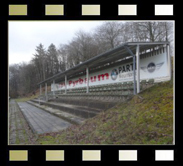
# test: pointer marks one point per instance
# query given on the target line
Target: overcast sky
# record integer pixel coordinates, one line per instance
(24, 36)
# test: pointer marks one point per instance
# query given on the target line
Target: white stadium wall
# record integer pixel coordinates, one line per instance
(152, 65)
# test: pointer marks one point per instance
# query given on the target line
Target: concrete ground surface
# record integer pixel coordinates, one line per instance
(63, 115)
(41, 121)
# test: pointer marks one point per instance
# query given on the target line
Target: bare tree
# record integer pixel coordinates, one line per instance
(27, 76)
(22, 79)
(81, 48)
(151, 31)
(14, 80)
(109, 35)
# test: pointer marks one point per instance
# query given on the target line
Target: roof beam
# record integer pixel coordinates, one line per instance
(146, 43)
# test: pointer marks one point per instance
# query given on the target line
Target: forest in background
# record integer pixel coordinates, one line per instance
(46, 62)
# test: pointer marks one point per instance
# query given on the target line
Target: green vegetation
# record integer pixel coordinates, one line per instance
(23, 99)
(144, 119)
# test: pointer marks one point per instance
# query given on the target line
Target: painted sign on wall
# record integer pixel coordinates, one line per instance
(152, 65)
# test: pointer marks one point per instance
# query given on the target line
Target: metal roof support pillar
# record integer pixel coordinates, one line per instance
(54, 88)
(65, 84)
(87, 78)
(134, 80)
(169, 60)
(138, 69)
(46, 92)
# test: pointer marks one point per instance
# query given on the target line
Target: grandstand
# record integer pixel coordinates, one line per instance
(113, 76)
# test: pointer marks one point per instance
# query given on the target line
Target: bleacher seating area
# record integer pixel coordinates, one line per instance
(87, 105)
(118, 90)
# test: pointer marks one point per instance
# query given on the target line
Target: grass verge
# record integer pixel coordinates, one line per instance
(24, 99)
(145, 119)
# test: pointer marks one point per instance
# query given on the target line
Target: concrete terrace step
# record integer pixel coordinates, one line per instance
(63, 115)
(88, 103)
(81, 111)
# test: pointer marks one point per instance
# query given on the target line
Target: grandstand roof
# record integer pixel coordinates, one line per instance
(109, 56)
